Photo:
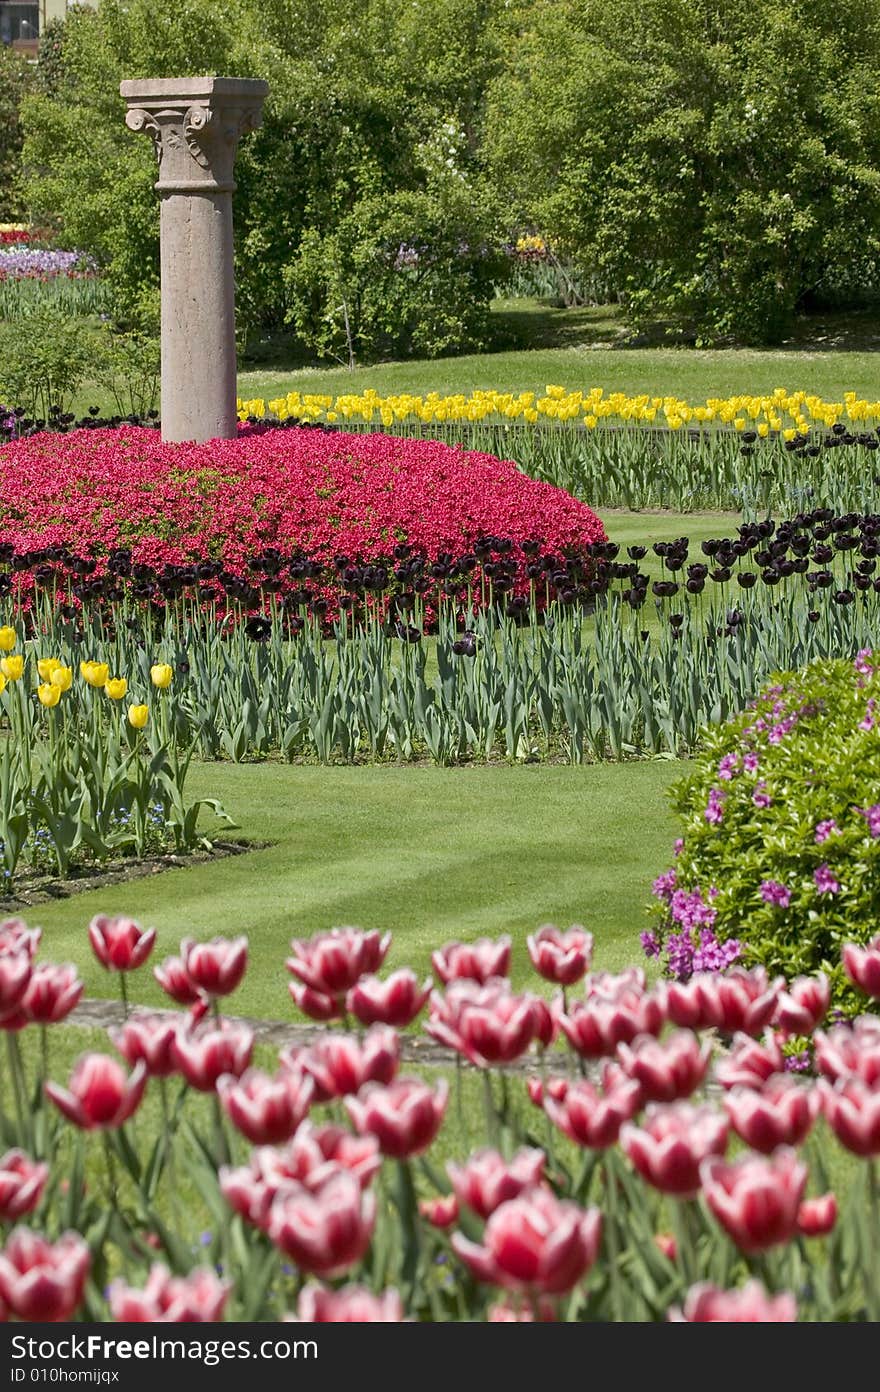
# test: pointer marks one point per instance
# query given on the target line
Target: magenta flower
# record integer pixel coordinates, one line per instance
(826, 829)
(872, 817)
(772, 892)
(664, 885)
(825, 881)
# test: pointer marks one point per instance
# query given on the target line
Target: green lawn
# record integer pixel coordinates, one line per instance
(581, 348)
(686, 372)
(431, 854)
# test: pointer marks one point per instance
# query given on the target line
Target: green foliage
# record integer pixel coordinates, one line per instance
(355, 158)
(715, 161)
(127, 367)
(15, 80)
(44, 357)
(715, 164)
(79, 297)
(407, 275)
(816, 738)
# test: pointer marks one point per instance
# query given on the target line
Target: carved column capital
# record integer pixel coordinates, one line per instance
(195, 126)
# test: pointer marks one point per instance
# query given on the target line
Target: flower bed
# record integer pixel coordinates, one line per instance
(780, 853)
(321, 1182)
(294, 491)
(744, 451)
(19, 261)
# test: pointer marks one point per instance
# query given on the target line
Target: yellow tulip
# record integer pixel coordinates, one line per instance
(49, 695)
(116, 688)
(2, 683)
(46, 666)
(12, 667)
(138, 716)
(8, 639)
(95, 673)
(161, 675)
(62, 677)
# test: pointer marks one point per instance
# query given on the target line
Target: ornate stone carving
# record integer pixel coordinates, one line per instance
(195, 127)
(139, 120)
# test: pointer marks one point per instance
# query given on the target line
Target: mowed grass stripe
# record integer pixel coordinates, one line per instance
(428, 853)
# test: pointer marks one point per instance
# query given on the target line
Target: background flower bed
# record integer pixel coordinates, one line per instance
(781, 834)
(301, 491)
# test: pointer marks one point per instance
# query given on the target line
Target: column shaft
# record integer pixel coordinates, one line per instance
(198, 317)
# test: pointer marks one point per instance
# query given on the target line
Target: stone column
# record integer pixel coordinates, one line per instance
(195, 124)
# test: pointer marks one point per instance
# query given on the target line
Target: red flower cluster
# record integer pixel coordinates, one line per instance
(325, 495)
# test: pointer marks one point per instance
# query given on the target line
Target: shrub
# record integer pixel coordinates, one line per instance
(781, 839)
(44, 357)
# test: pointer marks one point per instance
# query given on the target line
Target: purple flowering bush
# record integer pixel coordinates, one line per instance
(779, 858)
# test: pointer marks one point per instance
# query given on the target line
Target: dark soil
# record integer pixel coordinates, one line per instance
(43, 889)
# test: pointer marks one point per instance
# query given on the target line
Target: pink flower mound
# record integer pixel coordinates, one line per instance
(324, 494)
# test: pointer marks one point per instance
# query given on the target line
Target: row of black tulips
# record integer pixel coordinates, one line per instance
(834, 555)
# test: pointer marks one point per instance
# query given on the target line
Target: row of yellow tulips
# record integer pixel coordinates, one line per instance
(782, 411)
(56, 678)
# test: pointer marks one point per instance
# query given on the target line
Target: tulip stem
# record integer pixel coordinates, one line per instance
(683, 1234)
(409, 1221)
(611, 1229)
(490, 1110)
(15, 1075)
(123, 991)
(221, 1144)
(872, 1289)
(110, 1163)
(169, 1152)
(459, 1103)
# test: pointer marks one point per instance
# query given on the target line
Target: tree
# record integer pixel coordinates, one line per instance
(717, 160)
(374, 117)
(15, 79)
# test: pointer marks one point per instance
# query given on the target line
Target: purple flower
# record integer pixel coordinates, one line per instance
(650, 944)
(862, 664)
(679, 845)
(690, 910)
(798, 1063)
(728, 767)
(715, 810)
(664, 885)
(760, 797)
(872, 817)
(680, 956)
(714, 956)
(778, 733)
(826, 829)
(683, 957)
(21, 263)
(772, 892)
(750, 762)
(825, 881)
